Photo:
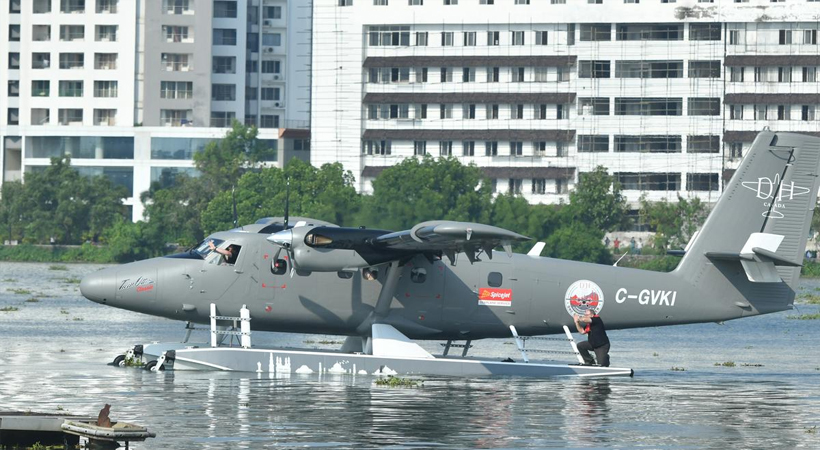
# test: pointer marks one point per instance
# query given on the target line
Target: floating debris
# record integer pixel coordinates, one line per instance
(391, 381)
(726, 364)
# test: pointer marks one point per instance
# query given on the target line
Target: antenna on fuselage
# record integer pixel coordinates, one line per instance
(233, 199)
(287, 202)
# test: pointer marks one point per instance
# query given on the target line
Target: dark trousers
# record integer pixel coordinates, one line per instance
(601, 353)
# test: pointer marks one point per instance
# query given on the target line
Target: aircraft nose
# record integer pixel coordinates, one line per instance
(98, 287)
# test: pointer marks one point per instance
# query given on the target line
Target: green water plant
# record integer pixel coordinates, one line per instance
(391, 381)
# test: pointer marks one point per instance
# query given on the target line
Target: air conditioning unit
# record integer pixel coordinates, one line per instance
(268, 49)
(278, 104)
(266, 23)
(277, 77)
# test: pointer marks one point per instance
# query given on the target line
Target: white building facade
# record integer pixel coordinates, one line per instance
(665, 94)
(131, 90)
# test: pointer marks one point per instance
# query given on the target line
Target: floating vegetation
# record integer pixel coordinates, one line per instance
(726, 364)
(508, 343)
(805, 317)
(751, 365)
(78, 319)
(812, 430)
(677, 369)
(655, 354)
(308, 341)
(62, 350)
(9, 309)
(32, 300)
(19, 291)
(9, 280)
(392, 381)
(57, 267)
(324, 342)
(133, 362)
(63, 311)
(810, 299)
(71, 280)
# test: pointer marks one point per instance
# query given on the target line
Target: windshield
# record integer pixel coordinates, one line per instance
(203, 249)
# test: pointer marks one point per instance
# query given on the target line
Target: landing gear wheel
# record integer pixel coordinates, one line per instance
(152, 364)
(119, 361)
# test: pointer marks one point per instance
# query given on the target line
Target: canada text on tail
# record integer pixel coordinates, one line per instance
(756, 235)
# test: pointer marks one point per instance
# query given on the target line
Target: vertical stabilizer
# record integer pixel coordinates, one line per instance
(760, 225)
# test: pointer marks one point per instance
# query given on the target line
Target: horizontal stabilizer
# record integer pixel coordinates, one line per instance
(759, 258)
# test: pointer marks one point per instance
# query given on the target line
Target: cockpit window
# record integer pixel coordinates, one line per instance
(203, 249)
(224, 254)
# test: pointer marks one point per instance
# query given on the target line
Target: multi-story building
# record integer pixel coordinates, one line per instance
(131, 90)
(665, 94)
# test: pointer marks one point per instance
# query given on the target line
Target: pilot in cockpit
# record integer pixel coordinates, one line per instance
(229, 254)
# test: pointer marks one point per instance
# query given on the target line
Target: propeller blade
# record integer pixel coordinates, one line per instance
(233, 199)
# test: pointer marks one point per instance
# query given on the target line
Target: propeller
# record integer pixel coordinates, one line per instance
(233, 198)
(287, 202)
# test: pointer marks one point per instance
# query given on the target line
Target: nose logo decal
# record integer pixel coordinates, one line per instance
(142, 284)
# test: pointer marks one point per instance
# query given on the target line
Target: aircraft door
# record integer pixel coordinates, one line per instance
(218, 274)
(421, 291)
(498, 290)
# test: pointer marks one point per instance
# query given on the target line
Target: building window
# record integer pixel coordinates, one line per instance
(176, 89)
(761, 112)
(517, 74)
(516, 148)
(13, 116)
(784, 112)
(41, 6)
(704, 69)
(176, 117)
(14, 61)
(493, 38)
(446, 38)
(107, 6)
(105, 89)
(224, 9)
(227, 64)
(421, 39)
(377, 148)
(784, 74)
(561, 112)
(176, 6)
(105, 61)
(631, 181)
(517, 111)
(105, 117)
(446, 111)
(271, 66)
(596, 32)
(71, 116)
(469, 39)
(648, 106)
(468, 148)
(380, 3)
(468, 111)
(704, 31)
(539, 186)
(72, 32)
(271, 12)
(491, 148)
(734, 37)
(593, 106)
(222, 119)
(106, 33)
(40, 116)
(760, 74)
(809, 74)
(71, 88)
(268, 121)
(72, 6)
(648, 69)
(388, 36)
(223, 92)
(735, 112)
(176, 62)
(175, 33)
(493, 74)
(40, 88)
(14, 88)
(420, 148)
(492, 112)
(415, 2)
(38, 60)
(649, 32)
(807, 112)
(14, 33)
(541, 38)
(271, 94)
(540, 111)
(517, 37)
(514, 186)
(272, 39)
(704, 106)
(420, 74)
(539, 148)
(345, 2)
(468, 75)
(445, 148)
(486, 2)
(810, 37)
(736, 74)
(647, 144)
(736, 150)
(702, 182)
(14, 7)
(225, 36)
(785, 37)
(593, 143)
(703, 144)
(446, 74)
(41, 33)
(593, 69)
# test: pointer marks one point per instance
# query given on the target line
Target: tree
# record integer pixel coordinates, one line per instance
(223, 162)
(175, 214)
(674, 223)
(128, 241)
(13, 207)
(577, 242)
(516, 214)
(597, 201)
(429, 188)
(324, 193)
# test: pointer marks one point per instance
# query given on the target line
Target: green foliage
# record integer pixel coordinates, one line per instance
(128, 241)
(223, 162)
(324, 193)
(9, 309)
(416, 190)
(675, 223)
(175, 214)
(391, 381)
(726, 364)
(579, 243)
(805, 317)
(34, 253)
(597, 201)
(809, 299)
(810, 269)
(656, 264)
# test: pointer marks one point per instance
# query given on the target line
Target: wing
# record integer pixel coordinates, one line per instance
(450, 237)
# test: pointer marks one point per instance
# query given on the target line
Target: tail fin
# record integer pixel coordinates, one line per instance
(759, 227)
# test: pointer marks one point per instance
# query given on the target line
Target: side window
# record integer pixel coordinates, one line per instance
(370, 274)
(418, 275)
(494, 279)
(345, 274)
